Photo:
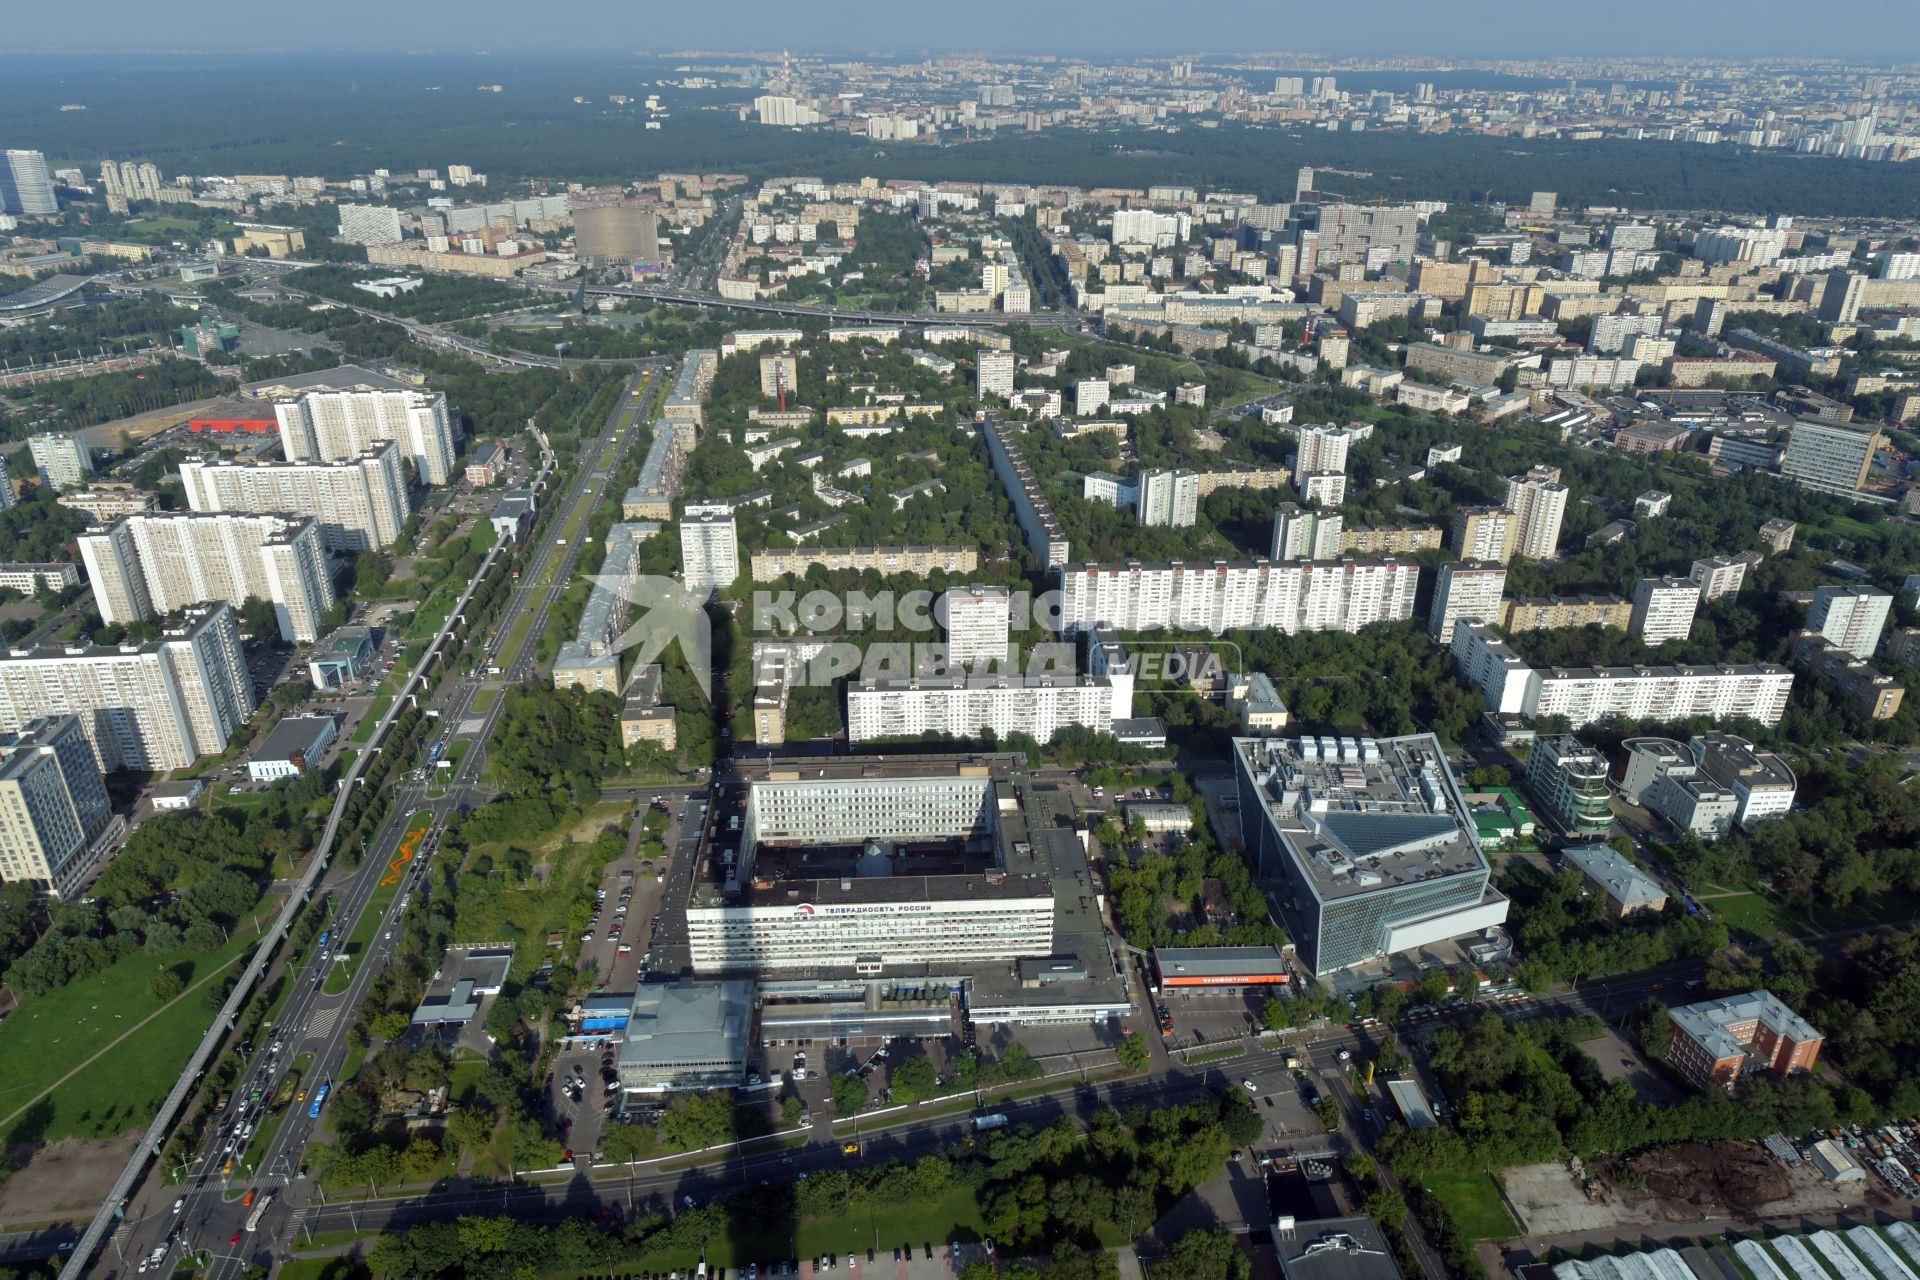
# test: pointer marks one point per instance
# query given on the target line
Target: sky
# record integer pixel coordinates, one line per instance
(1874, 29)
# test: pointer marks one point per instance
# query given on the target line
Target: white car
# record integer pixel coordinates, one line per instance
(1250, 1086)
(1344, 1055)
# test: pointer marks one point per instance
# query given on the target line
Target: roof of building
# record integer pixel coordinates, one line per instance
(511, 506)
(1625, 883)
(1337, 1249)
(1709, 1022)
(301, 734)
(43, 293)
(1218, 962)
(1359, 815)
(701, 1023)
(346, 377)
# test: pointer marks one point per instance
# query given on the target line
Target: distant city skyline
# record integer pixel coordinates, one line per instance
(1865, 29)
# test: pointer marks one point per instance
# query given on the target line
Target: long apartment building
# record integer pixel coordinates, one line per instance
(785, 562)
(53, 805)
(360, 502)
(1585, 695)
(159, 705)
(1563, 613)
(957, 705)
(330, 426)
(1030, 506)
(143, 565)
(1343, 595)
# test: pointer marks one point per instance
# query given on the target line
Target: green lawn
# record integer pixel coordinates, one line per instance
(1755, 915)
(355, 948)
(371, 721)
(121, 1089)
(1475, 1203)
(324, 1269)
(483, 699)
(955, 1215)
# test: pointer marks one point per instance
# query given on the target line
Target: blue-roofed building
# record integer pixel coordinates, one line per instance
(1365, 843)
(342, 657)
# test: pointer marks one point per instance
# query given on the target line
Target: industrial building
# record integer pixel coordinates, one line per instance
(296, 745)
(1367, 844)
(686, 1035)
(342, 657)
(1219, 967)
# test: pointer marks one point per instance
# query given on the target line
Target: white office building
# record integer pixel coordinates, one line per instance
(53, 805)
(709, 546)
(1663, 609)
(1168, 499)
(361, 503)
(1850, 617)
(159, 705)
(979, 622)
(62, 459)
(148, 564)
(1465, 590)
(330, 426)
(1221, 596)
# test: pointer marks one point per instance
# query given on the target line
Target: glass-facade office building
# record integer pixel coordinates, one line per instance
(1365, 843)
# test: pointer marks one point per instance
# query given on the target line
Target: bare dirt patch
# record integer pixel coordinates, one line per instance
(63, 1179)
(1696, 1182)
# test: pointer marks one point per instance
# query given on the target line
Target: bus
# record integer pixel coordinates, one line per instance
(319, 1100)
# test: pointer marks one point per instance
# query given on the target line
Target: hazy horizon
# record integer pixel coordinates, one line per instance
(1863, 30)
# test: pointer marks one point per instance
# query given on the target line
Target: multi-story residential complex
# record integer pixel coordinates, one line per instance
(1390, 540)
(958, 705)
(1484, 533)
(369, 224)
(159, 705)
(361, 503)
(1777, 536)
(1831, 456)
(142, 565)
(1326, 489)
(1585, 695)
(1169, 499)
(1629, 890)
(1715, 1042)
(53, 805)
(979, 622)
(709, 546)
(1366, 844)
(1874, 694)
(1300, 533)
(1850, 616)
(1343, 595)
(1718, 576)
(1322, 448)
(789, 562)
(101, 503)
(1539, 503)
(25, 187)
(1663, 609)
(1458, 364)
(1465, 589)
(779, 374)
(1045, 534)
(1564, 613)
(1568, 781)
(30, 578)
(332, 425)
(685, 405)
(993, 374)
(590, 660)
(1370, 234)
(62, 459)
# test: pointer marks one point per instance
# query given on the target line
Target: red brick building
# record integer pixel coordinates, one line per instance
(1714, 1042)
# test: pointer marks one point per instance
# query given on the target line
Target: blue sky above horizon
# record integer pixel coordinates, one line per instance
(1877, 30)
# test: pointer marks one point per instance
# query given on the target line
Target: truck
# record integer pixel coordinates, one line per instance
(995, 1121)
(260, 1207)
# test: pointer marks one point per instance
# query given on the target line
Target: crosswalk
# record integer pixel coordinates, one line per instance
(323, 1023)
(297, 1224)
